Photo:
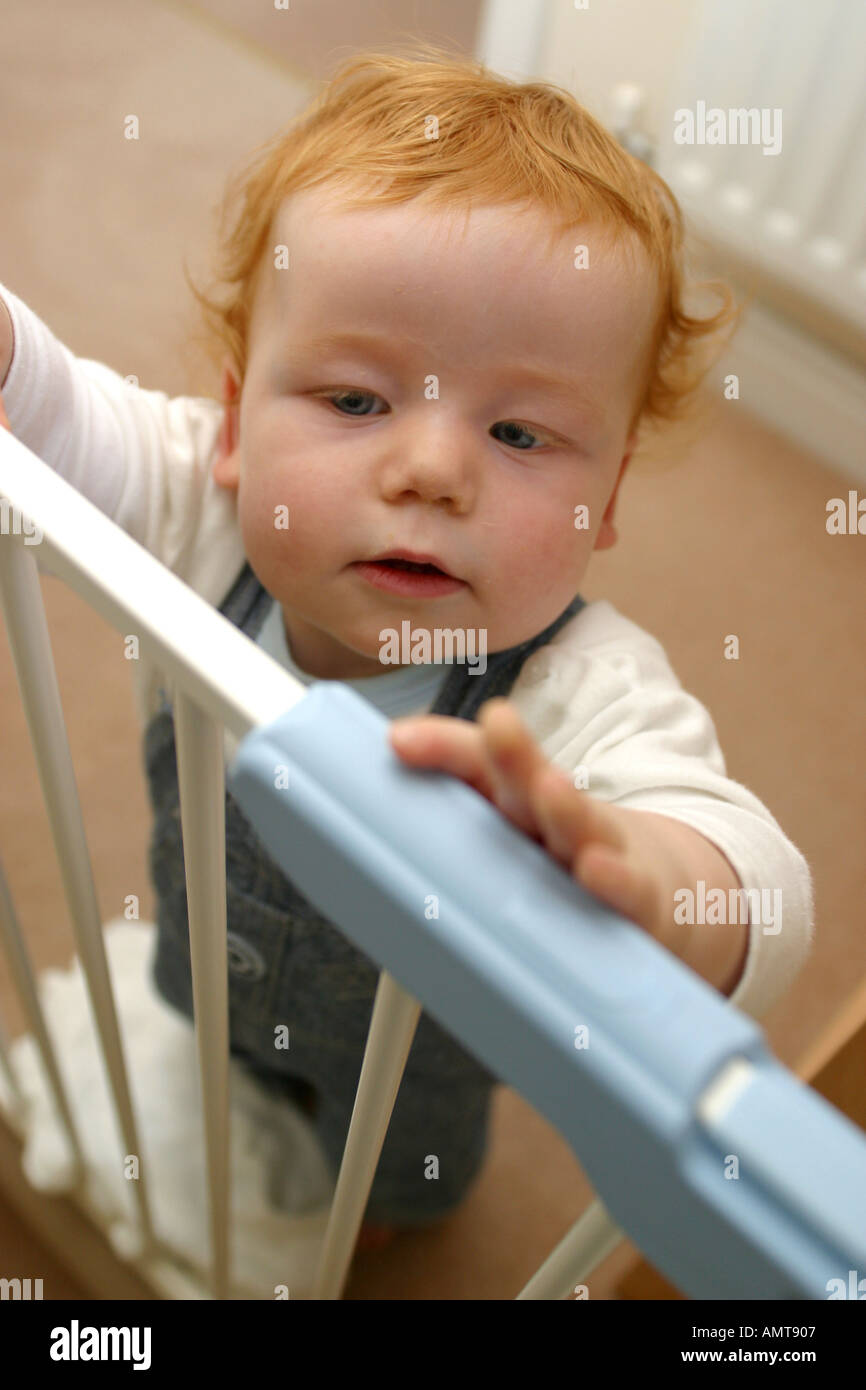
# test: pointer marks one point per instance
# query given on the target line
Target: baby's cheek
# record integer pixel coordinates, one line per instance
(548, 555)
(550, 573)
(265, 536)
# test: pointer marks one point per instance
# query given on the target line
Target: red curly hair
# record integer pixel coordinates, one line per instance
(499, 143)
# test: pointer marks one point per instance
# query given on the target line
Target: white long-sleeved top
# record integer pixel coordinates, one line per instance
(601, 697)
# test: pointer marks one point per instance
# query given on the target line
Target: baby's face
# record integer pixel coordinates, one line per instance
(480, 390)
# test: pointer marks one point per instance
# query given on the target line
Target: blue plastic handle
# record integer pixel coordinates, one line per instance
(506, 951)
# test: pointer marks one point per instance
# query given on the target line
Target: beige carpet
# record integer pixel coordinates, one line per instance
(731, 540)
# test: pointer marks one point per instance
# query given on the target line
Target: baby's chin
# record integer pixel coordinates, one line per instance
(334, 643)
(331, 651)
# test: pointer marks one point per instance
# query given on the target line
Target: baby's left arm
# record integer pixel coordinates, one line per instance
(636, 861)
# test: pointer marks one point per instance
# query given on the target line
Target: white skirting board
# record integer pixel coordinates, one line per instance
(799, 387)
(281, 1184)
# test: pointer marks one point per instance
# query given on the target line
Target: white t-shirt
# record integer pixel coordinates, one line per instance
(601, 696)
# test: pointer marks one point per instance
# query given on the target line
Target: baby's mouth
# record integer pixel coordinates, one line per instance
(397, 574)
(411, 562)
(413, 566)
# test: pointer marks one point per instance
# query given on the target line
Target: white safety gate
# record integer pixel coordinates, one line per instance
(220, 681)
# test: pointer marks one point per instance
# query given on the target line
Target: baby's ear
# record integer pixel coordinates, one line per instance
(227, 459)
(607, 532)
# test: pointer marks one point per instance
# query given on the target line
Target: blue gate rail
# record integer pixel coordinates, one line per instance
(518, 958)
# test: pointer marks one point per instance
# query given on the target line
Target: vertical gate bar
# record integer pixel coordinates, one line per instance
(590, 1240)
(25, 982)
(30, 645)
(392, 1028)
(201, 778)
(12, 1079)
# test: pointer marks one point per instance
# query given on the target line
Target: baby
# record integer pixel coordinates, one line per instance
(446, 307)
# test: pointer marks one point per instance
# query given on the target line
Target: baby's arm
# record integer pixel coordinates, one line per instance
(141, 457)
(89, 435)
(633, 860)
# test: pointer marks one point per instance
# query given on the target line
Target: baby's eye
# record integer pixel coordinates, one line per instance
(518, 429)
(348, 396)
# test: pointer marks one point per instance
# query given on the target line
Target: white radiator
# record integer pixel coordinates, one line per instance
(775, 170)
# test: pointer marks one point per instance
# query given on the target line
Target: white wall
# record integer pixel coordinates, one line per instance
(587, 51)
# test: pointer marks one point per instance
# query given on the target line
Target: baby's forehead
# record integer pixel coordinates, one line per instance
(489, 293)
(433, 242)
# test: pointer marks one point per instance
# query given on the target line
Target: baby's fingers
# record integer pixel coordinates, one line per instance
(571, 819)
(622, 884)
(515, 759)
(449, 745)
(463, 749)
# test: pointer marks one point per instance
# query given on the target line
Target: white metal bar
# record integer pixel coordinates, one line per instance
(201, 778)
(24, 980)
(8, 1071)
(392, 1028)
(198, 649)
(30, 645)
(590, 1240)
